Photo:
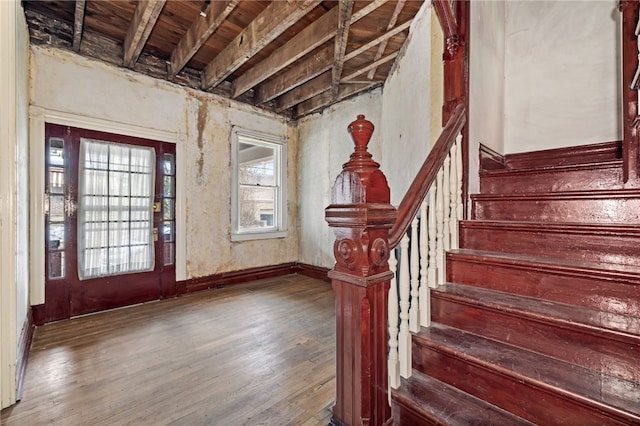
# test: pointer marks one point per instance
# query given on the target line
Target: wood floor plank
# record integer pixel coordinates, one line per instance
(261, 353)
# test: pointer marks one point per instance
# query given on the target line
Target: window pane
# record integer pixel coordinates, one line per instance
(56, 208)
(168, 164)
(253, 204)
(56, 152)
(168, 208)
(56, 264)
(169, 254)
(56, 236)
(168, 189)
(56, 181)
(168, 231)
(114, 216)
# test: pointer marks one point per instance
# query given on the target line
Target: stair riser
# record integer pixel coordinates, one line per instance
(532, 403)
(612, 247)
(590, 350)
(551, 181)
(596, 292)
(405, 415)
(590, 210)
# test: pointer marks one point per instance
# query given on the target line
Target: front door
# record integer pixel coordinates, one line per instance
(109, 221)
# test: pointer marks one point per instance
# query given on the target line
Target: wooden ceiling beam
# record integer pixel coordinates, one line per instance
(345, 10)
(374, 65)
(319, 32)
(299, 73)
(303, 92)
(78, 24)
(272, 22)
(144, 19)
(198, 34)
(326, 98)
(313, 66)
(383, 45)
(316, 34)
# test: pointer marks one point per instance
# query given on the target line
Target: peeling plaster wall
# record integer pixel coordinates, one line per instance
(66, 82)
(562, 74)
(406, 105)
(325, 145)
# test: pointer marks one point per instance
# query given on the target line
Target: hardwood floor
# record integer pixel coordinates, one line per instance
(261, 353)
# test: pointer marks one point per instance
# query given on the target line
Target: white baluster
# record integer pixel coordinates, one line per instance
(393, 365)
(453, 188)
(414, 312)
(424, 292)
(404, 338)
(446, 201)
(460, 206)
(432, 270)
(440, 228)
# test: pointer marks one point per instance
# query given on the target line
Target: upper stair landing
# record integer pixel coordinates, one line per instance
(585, 168)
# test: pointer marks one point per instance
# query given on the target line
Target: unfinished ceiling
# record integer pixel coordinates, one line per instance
(294, 57)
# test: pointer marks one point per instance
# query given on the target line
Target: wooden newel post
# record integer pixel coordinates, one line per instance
(361, 216)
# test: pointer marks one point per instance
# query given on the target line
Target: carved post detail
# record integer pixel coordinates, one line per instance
(361, 216)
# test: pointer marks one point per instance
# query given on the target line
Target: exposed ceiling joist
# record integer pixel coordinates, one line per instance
(383, 45)
(313, 66)
(272, 22)
(345, 10)
(374, 65)
(78, 24)
(321, 31)
(326, 98)
(144, 18)
(198, 33)
(299, 73)
(305, 91)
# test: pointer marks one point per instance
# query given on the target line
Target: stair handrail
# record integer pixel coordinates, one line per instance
(425, 177)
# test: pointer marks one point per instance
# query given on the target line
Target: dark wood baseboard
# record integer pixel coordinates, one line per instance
(236, 277)
(38, 314)
(24, 344)
(317, 272)
(582, 154)
(490, 159)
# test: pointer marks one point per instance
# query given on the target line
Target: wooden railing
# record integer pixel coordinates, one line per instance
(631, 84)
(426, 227)
(367, 229)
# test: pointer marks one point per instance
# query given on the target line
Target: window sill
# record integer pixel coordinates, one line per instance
(249, 236)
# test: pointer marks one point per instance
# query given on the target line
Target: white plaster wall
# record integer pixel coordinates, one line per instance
(562, 74)
(22, 170)
(406, 105)
(325, 145)
(66, 82)
(486, 82)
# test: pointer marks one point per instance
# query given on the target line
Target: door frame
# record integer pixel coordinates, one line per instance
(38, 117)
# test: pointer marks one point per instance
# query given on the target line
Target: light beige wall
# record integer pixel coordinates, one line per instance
(562, 74)
(14, 185)
(486, 82)
(324, 146)
(202, 123)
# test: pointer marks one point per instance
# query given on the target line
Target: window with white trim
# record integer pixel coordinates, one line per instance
(258, 196)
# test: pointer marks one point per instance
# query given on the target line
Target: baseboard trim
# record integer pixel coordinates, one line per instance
(236, 277)
(490, 159)
(23, 353)
(581, 154)
(312, 271)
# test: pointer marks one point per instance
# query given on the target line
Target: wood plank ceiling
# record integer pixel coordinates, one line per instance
(293, 57)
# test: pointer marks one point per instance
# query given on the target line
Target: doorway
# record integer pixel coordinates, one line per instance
(109, 221)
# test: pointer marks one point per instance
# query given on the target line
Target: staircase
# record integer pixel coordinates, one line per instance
(539, 322)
